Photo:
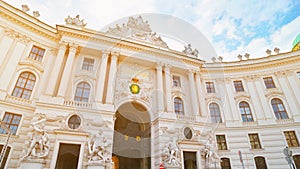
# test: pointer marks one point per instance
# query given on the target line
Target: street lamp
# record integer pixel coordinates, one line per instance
(289, 157)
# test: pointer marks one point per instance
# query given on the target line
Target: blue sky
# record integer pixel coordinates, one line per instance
(233, 27)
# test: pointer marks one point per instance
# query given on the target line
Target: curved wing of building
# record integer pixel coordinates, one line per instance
(72, 97)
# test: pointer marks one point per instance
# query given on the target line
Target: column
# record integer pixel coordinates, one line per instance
(193, 97)
(260, 90)
(112, 78)
(12, 63)
(203, 111)
(101, 77)
(230, 96)
(67, 71)
(289, 95)
(225, 101)
(292, 79)
(168, 88)
(257, 105)
(56, 69)
(7, 44)
(160, 96)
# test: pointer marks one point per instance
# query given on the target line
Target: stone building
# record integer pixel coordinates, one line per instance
(72, 97)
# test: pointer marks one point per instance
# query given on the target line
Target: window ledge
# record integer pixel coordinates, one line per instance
(284, 121)
(18, 100)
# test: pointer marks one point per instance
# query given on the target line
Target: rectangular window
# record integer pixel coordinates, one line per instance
(269, 82)
(210, 88)
(238, 85)
(11, 121)
(221, 141)
(254, 141)
(298, 74)
(176, 81)
(36, 53)
(291, 138)
(88, 64)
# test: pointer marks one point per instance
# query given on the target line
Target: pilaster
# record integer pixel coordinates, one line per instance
(101, 77)
(168, 88)
(112, 78)
(55, 71)
(67, 71)
(194, 99)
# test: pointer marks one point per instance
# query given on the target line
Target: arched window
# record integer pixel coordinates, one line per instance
(260, 163)
(297, 161)
(215, 114)
(24, 85)
(178, 106)
(225, 163)
(245, 112)
(82, 92)
(279, 109)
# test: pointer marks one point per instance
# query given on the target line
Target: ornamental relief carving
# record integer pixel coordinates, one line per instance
(16, 35)
(127, 72)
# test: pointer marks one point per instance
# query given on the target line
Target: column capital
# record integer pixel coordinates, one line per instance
(114, 55)
(73, 47)
(62, 45)
(10, 33)
(159, 65)
(105, 54)
(167, 66)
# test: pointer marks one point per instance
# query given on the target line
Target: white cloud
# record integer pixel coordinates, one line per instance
(226, 18)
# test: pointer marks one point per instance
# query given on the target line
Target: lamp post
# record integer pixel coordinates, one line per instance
(289, 157)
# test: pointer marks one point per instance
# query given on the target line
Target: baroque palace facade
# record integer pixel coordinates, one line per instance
(71, 97)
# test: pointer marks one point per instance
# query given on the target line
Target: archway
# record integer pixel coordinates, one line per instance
(132, 137)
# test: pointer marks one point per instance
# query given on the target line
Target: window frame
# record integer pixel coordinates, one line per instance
(221, 142)
(269, 82)
(80, 97)
(210, 87)
(227, 162)
(245, 113)
(213, 114)
(265, 162)
(289, 140)
(11, 123)
(178, 112)
(19, 90)
(279, 114)
(254, 141)
(238, 86)
(88, 66)
(35, 54)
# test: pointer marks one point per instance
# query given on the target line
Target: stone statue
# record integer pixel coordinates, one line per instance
(97, 147)
(189, 51)
(170, 154)
(39, 145)
(75, 21)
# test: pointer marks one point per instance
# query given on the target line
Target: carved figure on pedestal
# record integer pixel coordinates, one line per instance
(39, 145)
(170, 154)
(97, 147)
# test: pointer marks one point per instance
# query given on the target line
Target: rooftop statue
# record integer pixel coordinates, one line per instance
(75, 21)
(137, 29)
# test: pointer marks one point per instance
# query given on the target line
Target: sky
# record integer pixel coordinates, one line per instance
(233, 27)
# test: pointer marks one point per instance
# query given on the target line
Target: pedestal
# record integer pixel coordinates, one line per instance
(32, 164)
(172, 167)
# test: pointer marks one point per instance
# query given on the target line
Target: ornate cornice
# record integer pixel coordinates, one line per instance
(28, 22)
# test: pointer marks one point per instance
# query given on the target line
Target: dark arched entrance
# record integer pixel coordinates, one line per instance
(132, 137)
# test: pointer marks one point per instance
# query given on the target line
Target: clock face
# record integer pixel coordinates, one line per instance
(135, 89)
